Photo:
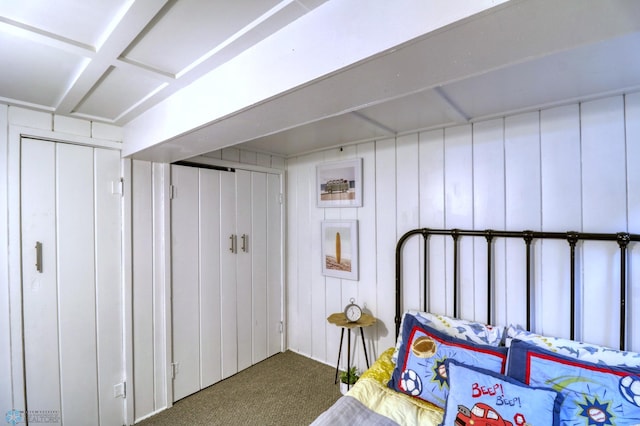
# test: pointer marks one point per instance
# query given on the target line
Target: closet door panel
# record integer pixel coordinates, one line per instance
(259, 266)
(210, 325)
(274, 265)
(185, 281)
(243, 264)
(38, 201)
(76, 285)
(228, 308)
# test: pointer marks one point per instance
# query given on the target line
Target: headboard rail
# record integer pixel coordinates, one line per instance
(623, 239)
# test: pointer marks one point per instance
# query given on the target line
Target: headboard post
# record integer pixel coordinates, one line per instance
(623, 239)
(572, 238)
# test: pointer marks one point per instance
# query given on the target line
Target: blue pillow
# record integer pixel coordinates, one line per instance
(477, 396)
(594, 394)
(420, 370)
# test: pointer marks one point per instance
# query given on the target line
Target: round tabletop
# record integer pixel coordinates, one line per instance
(340, 320)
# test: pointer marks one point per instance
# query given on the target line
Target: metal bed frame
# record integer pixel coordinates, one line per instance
(621, 238)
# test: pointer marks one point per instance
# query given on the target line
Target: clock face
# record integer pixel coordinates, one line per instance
(353, 313)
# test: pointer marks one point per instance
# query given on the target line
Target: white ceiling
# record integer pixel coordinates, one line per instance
(114, 60)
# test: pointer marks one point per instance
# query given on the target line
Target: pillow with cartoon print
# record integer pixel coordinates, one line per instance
(594, 394)
(574, 349)
(472, 331)
(420, 370)
(477, 396)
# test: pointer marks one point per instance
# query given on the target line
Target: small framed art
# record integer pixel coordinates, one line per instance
(340, 249)
(339, 183)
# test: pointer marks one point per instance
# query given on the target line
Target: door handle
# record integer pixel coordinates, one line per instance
(245, 243)
(234, 243)
(39, 256)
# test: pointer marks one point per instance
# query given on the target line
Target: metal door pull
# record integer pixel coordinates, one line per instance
(39, 256)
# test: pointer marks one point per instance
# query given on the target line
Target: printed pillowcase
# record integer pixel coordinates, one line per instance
(472, 331)
(594, 394)
(478, 396)
(421, 371)
(571, 348)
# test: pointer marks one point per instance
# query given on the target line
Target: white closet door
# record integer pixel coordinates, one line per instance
(185, 281)
(243, 265)
(228, 257)
(68, 205)
(210, 321)
(259, 266)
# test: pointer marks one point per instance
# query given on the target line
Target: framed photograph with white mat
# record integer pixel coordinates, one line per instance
(339, 183)
(340, 249)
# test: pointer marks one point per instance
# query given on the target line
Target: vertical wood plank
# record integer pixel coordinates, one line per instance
(259, 267)
(523, 211)
(385, 169)
(632, 115)
(561, 212)
(604, 210)
(274, 253)
(5, 316)
(243, 269)
(76, 283)
(142, 271)
(184, 278)
(109, 283)
(40, 295)
(488, 213)
(294, 326)
(228, 259)
(432, 213)
(209, 262)
(408, 216)
(458, 179)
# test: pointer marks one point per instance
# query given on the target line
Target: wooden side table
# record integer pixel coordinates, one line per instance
(340, 320)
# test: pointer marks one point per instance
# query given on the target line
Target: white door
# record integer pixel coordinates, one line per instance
(71, 283)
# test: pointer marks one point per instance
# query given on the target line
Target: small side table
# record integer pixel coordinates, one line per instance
(340, 320)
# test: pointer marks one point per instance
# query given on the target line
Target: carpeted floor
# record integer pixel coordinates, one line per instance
(286, 389)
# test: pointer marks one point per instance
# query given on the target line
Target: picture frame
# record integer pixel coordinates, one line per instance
(339, 183)
(340, 249)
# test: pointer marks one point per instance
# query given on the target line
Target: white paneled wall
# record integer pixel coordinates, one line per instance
(566, 168)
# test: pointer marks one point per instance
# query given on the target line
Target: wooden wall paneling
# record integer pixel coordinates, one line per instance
(561, 212)
(488, 212)
(185, 281)
(5, 317)
(523, 209)
(274, 253)
(109, 283)
(76, 283)
(38, 223)
(604, 188)
(228, 275)
(385, 196)
(317, 326)
(143, 306)
(458, 180)
(209, 274)
(431, 158)
(244, 205)
(305, 198)
(408, 215)
(632, 115)
(367, 295)
(257, 246)
(294, 325)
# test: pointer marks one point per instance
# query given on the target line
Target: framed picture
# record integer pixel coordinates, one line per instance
(339, 183)
(340, 249)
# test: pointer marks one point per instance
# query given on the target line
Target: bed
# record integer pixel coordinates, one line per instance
(447, 370)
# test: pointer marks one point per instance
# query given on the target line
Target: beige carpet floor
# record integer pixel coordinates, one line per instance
(286, 389)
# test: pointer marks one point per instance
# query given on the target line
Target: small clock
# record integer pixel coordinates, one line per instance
(352, 311)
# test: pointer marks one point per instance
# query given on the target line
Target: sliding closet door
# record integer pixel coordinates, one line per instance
(71, 288)
(243, 267)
